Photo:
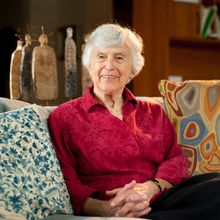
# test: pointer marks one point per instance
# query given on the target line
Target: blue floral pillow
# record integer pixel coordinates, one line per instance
(31, 182)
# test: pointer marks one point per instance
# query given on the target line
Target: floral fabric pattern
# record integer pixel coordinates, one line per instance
(31, 182)
(194, 109)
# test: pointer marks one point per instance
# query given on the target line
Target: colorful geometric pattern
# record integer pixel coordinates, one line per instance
(193, 107)
(31, 182)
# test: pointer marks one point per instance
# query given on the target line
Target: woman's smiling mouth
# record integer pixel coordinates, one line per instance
(109, 77)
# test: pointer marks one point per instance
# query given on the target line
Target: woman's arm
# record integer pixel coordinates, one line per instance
(59, 132)
(95, 207)
(174, 167)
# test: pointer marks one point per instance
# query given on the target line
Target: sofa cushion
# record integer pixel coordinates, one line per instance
(11, 104)
(155, 100)
(32, 184)
(194, 109)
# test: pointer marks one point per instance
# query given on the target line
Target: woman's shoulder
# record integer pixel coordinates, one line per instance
(150, 105)
(73, 105)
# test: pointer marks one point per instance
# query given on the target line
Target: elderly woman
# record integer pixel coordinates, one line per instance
(119, 155)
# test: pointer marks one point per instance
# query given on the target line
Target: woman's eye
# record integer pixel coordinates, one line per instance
(101, 57)
(120, 58)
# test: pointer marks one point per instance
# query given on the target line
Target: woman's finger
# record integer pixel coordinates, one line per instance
(133, 213)
(140, 206)
(112, 192)
(121, 198)
(127, 186)
(121, 189)
(137, 197)
(140, 213)
(125, 209)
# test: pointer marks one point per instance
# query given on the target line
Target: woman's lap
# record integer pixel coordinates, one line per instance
(195, 198)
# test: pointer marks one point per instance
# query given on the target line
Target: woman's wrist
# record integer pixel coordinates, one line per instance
(161, 184)
(157, 183)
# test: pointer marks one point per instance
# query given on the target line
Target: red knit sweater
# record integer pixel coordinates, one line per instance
(99, 152)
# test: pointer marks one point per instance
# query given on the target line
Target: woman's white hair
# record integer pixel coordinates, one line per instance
(108, 35)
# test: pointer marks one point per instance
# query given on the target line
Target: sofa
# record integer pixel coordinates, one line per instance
(31, 182)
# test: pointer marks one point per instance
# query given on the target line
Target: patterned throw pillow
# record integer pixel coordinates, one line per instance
(194, 109)
(31, 182)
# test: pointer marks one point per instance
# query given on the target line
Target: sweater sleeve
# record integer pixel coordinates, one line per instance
(59, 136)
(174, 167)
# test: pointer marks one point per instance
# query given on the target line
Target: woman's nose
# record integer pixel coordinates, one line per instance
(109, 64)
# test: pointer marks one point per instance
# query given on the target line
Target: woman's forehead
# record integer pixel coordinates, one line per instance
(113, 49)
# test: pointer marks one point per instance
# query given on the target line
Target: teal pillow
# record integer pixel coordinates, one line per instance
(31, 182)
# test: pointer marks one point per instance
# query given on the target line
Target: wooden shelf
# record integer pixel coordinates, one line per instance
(213, 44)
(170, 32)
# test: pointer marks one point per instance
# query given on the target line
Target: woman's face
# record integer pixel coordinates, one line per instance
(110, 69)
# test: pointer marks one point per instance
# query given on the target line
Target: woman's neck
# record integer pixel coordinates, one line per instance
(109, 99)
(113, 102)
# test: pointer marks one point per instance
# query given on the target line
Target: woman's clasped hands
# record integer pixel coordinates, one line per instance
(133, 199)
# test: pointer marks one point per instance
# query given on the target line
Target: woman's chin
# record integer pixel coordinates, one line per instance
(109, 90)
